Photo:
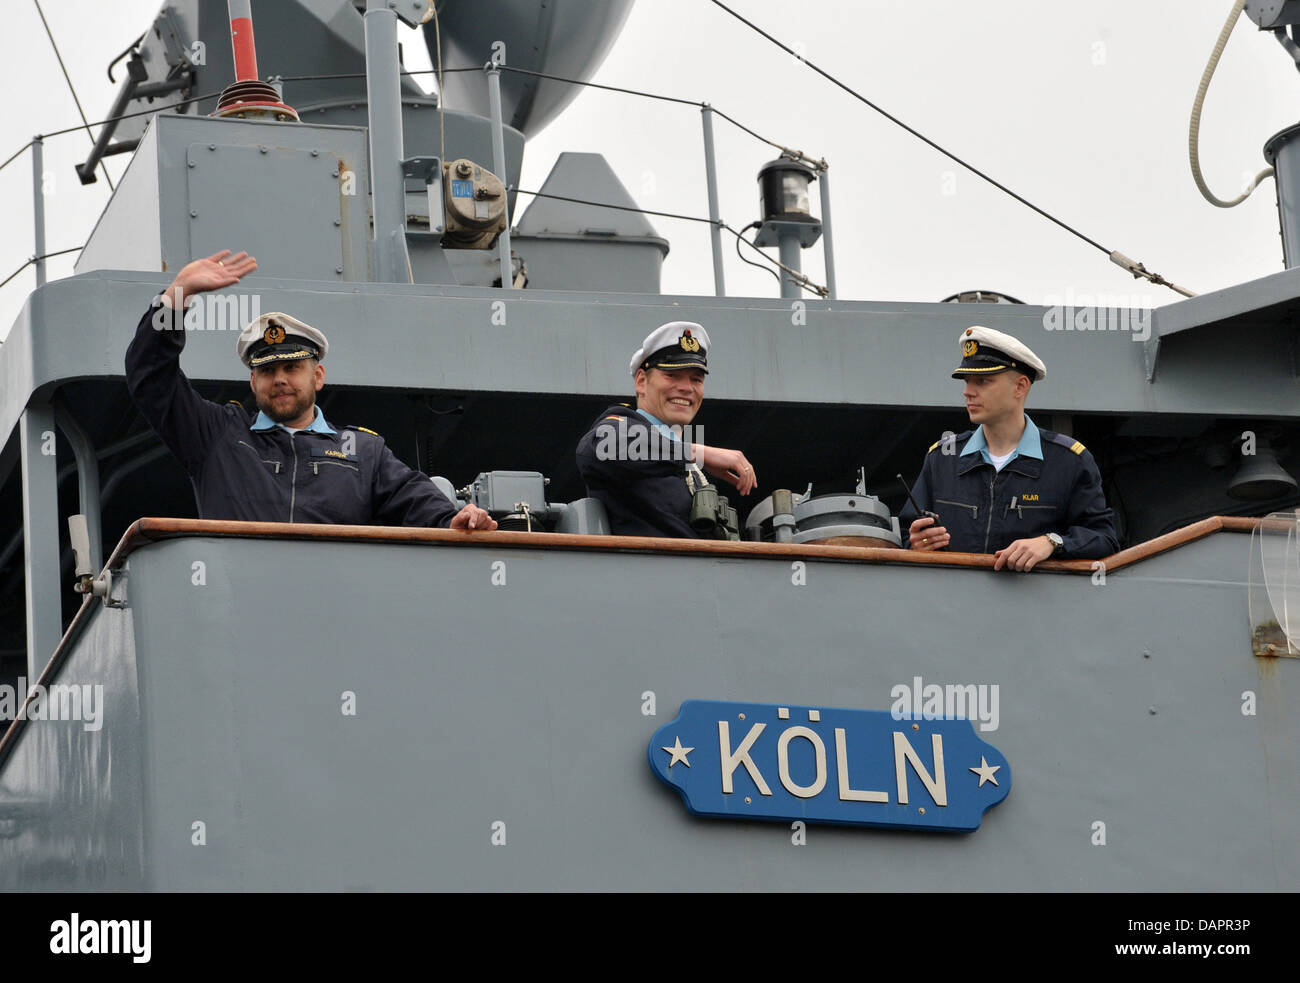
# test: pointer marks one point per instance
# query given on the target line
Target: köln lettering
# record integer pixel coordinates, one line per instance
(932, 777)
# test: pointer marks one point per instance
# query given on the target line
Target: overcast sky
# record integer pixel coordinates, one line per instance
(1080, 107)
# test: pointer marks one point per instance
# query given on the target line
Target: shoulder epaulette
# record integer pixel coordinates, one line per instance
(234, 402)
(353, 426)
(934, 445)
(614, 418)
(1066, 441)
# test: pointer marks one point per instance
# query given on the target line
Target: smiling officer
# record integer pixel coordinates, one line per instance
(1006, 487)
(636, 462)
(287, 464)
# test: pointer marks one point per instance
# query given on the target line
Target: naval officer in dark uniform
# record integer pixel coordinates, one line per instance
(287, 464)
(644, 464)
(1007, 487)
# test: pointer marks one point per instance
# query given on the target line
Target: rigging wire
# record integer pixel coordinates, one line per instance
(16, 154)
(361, 75)
(71, 88)
(598, 85)
(1137, 269)
(743, 259)
(140, 112)
(112, 119)
(35, 259)
(799, 278)
(819, 163)
(621, 208)
(788, 151)
(796, 277)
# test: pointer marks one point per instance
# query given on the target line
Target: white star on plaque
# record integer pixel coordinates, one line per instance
(985, 771)
(679, 753)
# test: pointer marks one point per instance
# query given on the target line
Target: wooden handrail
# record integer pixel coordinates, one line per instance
(155, 529)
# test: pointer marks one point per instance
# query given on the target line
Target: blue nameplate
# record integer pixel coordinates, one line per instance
(828, 765)
(462, 189)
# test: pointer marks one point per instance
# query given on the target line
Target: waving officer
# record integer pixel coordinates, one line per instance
(1007, 487)
(287, 464)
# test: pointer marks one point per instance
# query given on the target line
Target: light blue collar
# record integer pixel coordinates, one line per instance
(659, 425)
(318, 425)
(1031, 444)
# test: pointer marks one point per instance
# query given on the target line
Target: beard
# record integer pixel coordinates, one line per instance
(286, 410)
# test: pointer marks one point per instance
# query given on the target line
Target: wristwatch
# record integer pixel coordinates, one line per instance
(1056, 540)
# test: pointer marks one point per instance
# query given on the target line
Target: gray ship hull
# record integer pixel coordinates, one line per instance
(501, 692)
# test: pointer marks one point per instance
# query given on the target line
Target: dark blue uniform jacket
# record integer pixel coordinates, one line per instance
(637, 474)
(985, 510)
(271, 475)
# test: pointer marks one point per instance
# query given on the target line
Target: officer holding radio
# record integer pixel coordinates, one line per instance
(642, 463)
(1007, 487)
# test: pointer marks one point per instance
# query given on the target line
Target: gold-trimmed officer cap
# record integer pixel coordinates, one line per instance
(988, 352)
(675, 345)
(277, 337)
